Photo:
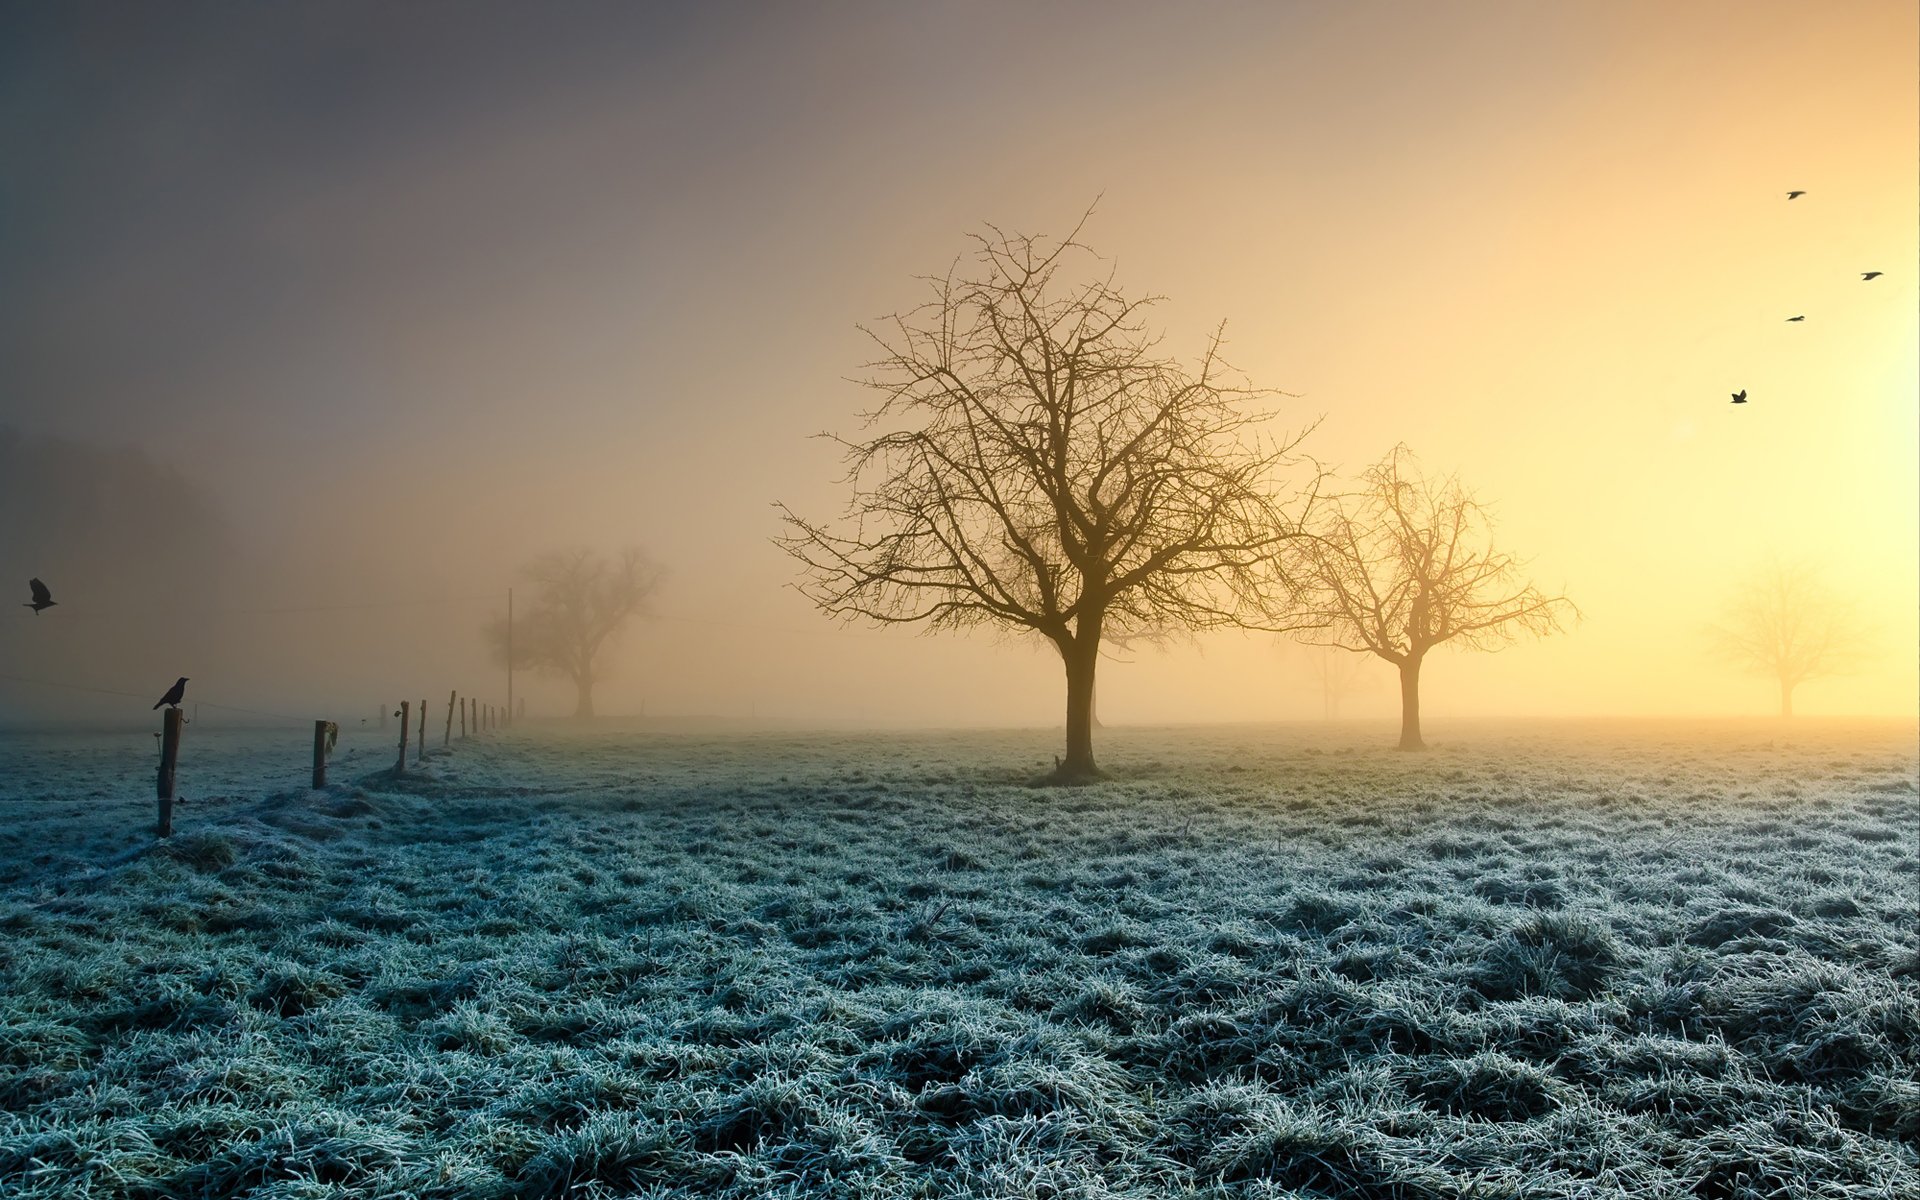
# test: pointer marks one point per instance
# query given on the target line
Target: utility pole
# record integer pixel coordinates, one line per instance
(509, 656)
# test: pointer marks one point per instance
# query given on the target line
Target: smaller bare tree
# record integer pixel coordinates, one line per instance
(1404, 564)
(581, 602)
(1783, 622)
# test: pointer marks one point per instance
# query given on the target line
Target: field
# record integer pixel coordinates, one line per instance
(1541, 960)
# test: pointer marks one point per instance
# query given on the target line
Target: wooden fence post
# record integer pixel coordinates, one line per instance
(423, 730)
(463, 718)
(447, 738)
(400, 767)
(320, 753)
(169, 759)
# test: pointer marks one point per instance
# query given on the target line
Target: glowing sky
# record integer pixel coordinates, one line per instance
(590, 273)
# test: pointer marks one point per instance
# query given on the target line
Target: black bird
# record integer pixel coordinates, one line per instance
(1869, 274)
(174, 693)
(42, 598)
(1795, 195)
(1739, 397)
(1801, 317)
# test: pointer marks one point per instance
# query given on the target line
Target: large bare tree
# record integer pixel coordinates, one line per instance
(1786, 624)
(1035, 461)
(581, 601)
(1403, 564)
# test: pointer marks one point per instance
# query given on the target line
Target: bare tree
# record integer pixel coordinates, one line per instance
(1337, 671)
(1404, 564)
(1035, 462)
(581, 601)
(1784, 623)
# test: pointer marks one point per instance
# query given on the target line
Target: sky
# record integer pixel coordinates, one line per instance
(415, 292)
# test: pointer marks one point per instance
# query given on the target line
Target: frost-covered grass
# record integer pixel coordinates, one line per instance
(1544, 961)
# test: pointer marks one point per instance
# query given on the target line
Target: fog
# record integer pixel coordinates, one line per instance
(318, 325)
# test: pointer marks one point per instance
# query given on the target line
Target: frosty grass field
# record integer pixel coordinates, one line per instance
(1541, 960)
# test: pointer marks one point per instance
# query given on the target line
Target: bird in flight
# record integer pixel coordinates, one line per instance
(174, 693)
(1869, 274)
(1739, 397)
(42, 598)
(1795, 195)
(1801, 317)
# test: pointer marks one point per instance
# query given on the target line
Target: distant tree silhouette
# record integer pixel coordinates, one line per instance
(1035, 462)
(581, 602)
(1784, 623)
(1404, 564)
(1338, 671)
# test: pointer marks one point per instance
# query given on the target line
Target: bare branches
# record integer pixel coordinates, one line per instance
(581, 601)
(1783, 622)
(1034, 460)
(1403, 564)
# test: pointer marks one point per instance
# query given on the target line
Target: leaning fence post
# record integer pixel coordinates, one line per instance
(423, 730)
(400, 767)
(447, 739)
(169, 758)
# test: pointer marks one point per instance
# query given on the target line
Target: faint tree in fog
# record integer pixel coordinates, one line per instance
(580, 603)
(1784, 623)
(1338, 671)
(1036, 462)
(1403, 564)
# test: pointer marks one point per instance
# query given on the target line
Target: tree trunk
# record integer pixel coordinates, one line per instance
(1786, 698)
(1410, 705)
(1081, 659)
(583, 706)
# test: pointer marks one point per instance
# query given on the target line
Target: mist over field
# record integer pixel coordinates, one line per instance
(394, 309)
(1051, 601)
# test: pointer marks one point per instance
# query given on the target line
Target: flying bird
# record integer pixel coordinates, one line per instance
(1795, 195)
(42, 598)
(174, 693)
(1739, 397)
(1869, 274)
(1801, 317)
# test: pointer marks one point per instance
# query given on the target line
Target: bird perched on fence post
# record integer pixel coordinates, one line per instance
(42, 598)
(174, 693)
